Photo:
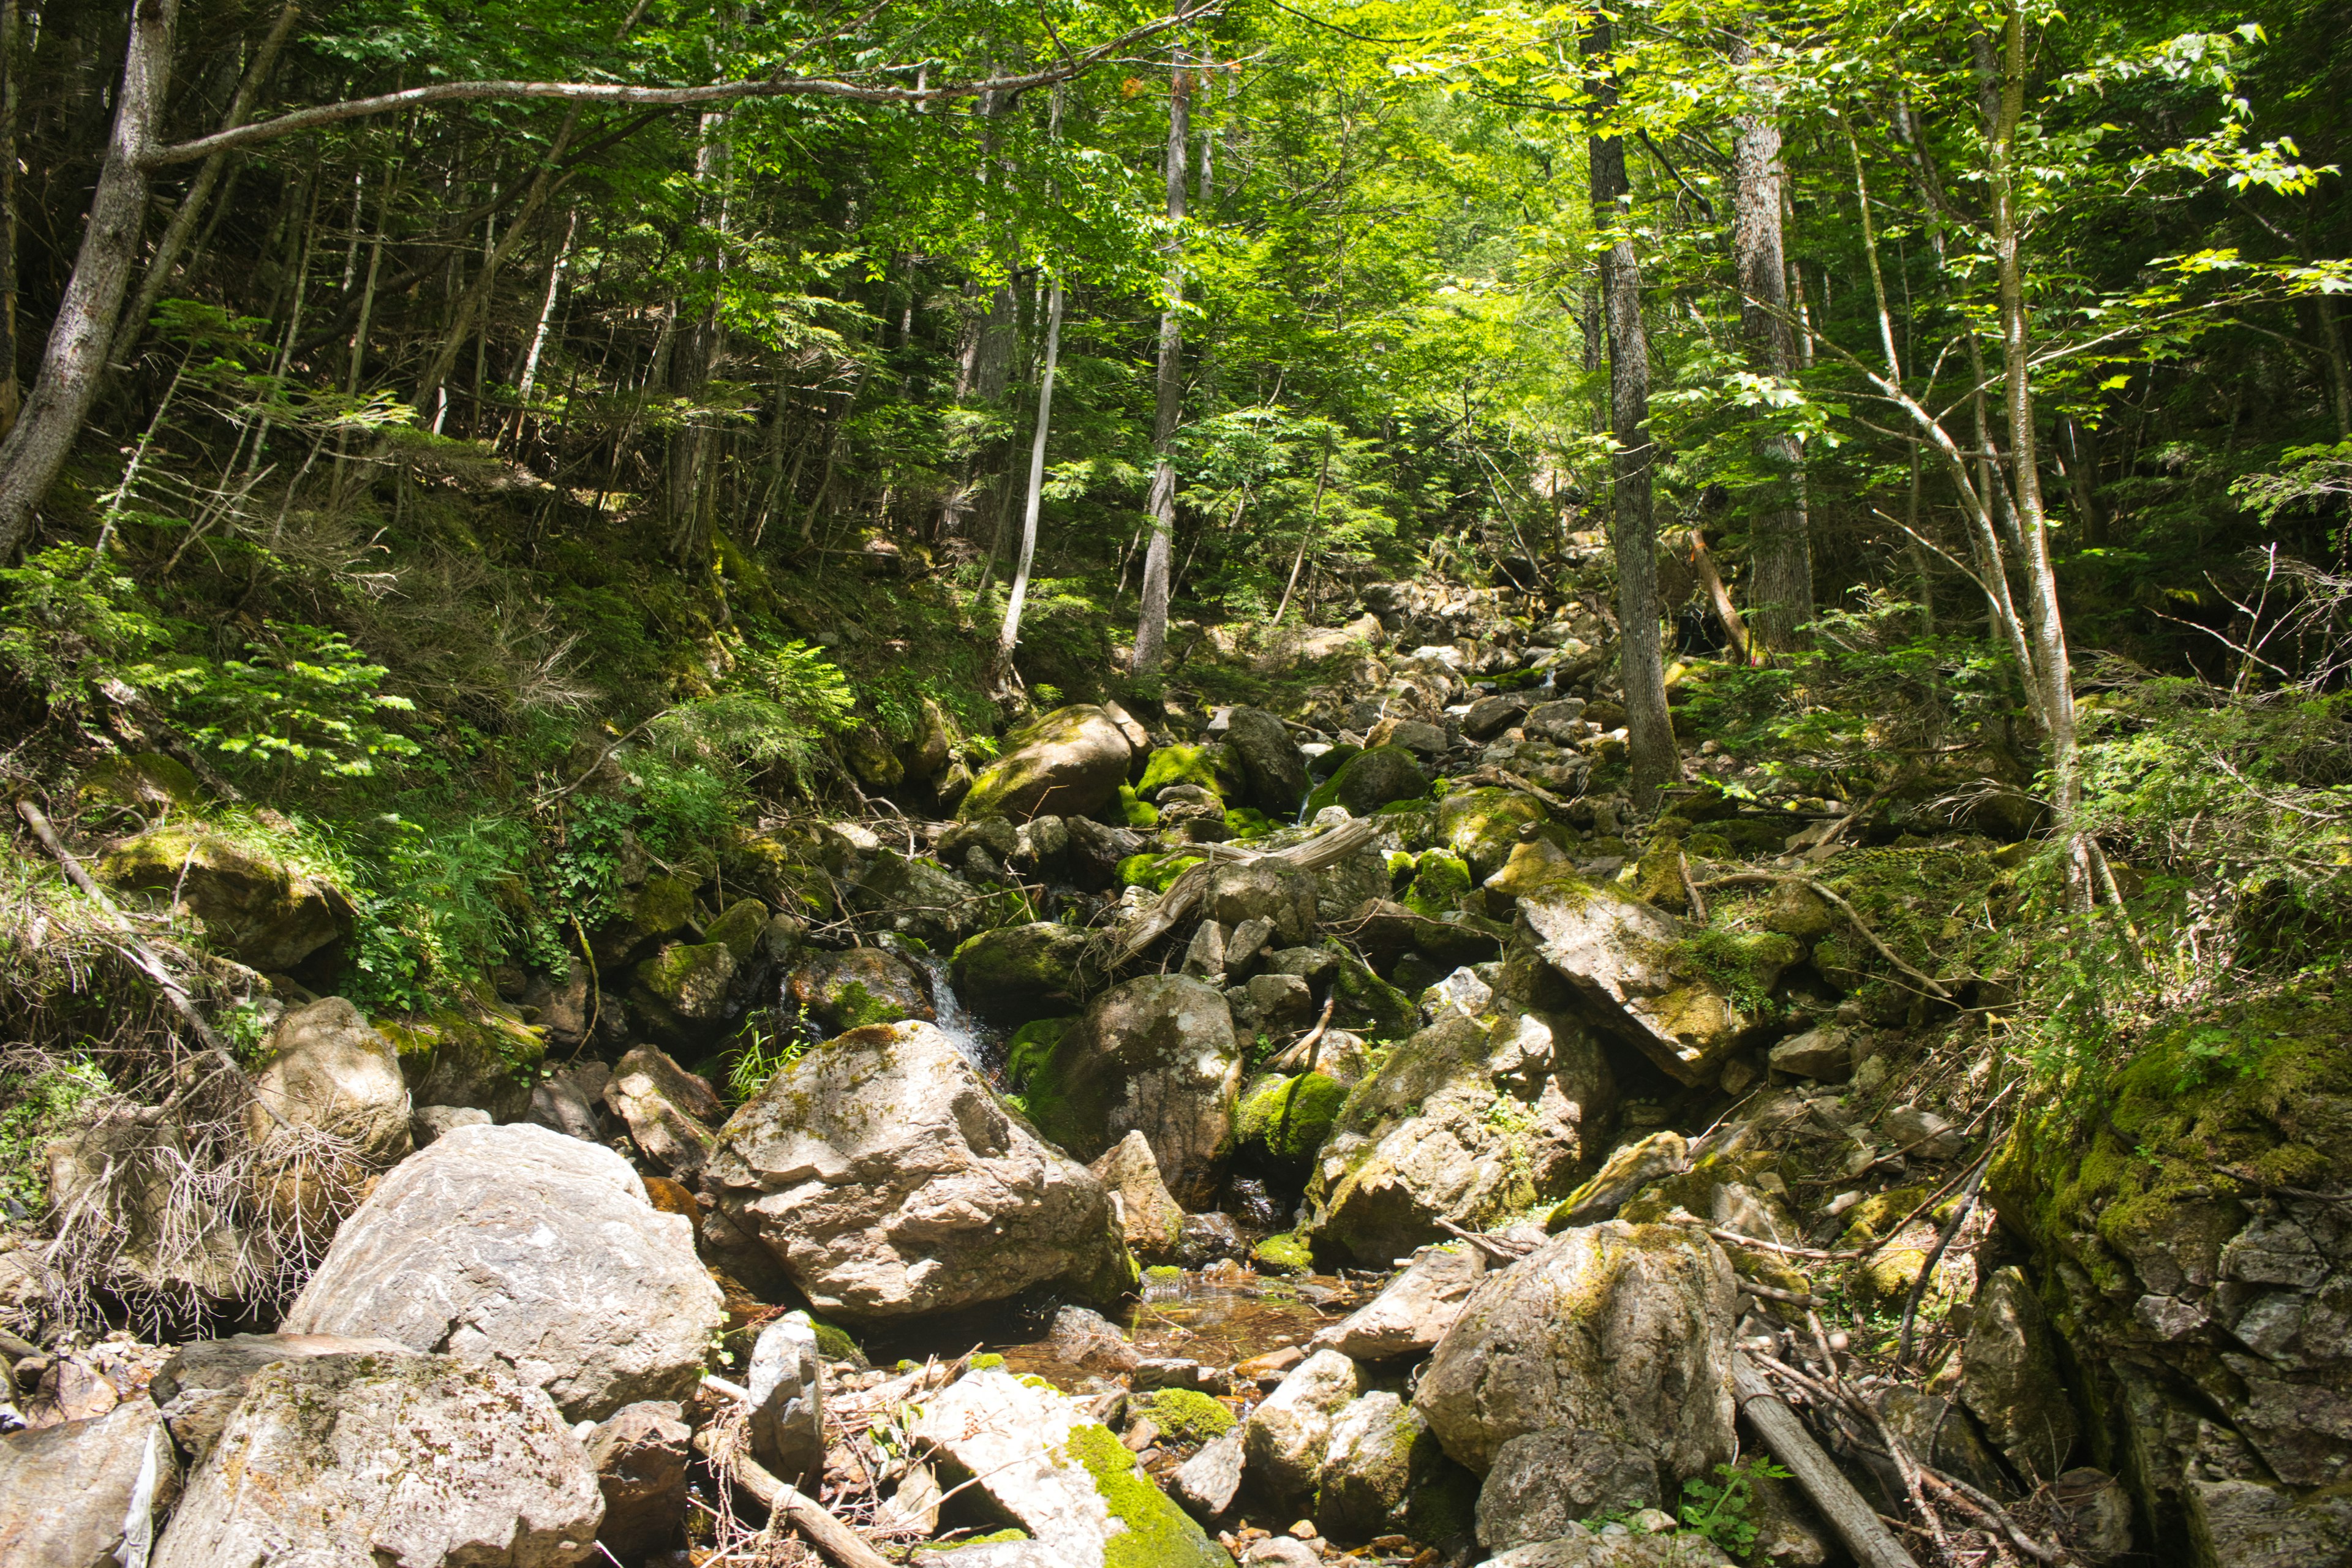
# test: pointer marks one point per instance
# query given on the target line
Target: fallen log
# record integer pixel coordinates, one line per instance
(1866, 1535)
(840, 1543)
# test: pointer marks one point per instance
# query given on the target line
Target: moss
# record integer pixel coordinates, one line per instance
(1372, 781)
(687, 977)
(1183, 765)
(1188, 1416)
(1328, 762)
(1159, 1535)
(1155, 871)
(1439, 881)
(1287, 1119)
(1163, 1271)
(1283, 1253)
(1443, 1509)
(1481, 826)
(1008, 1533)
(1134, 813)
(984, 1362)
(834, 1342)
(1370, 1004)
(1247, 822)
(1032, 1047)
(739, 930)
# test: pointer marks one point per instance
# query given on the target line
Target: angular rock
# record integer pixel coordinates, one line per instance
(520, 1247)
(1615, 1546)
(564, 1104)
(862, 985)
(649, 914)
(198, 1388)
(354, 1461)
(2246, 1524)
(640, 1456)
(914, 898)
(2008, 1378)
(1271, 768)
(887, 1180)
(2096, 1511)
(1069, 762)
(668, 1110)
(1412, 1313)
(1155, 1055)
(1066, 1480)
(255, 908)
(426, 1123)
(1290, 1432)
(1613, 949)
(786, 1380)
(1152, 1220)
(87, 1494)
(1620, 1329)
(1546, 1480)
(1381, 1450)
(1625, 1172)
(1204, 956)
(1207, 1484)
(1825, 1053)
(1014, 973)
(1923, 1133)
(1490, 716)
(1254, 889)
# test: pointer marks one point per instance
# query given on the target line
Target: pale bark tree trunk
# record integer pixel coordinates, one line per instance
(75, 360)
(1650, 739)
(1780, 596)
(546, 314)
(1151, 626)
(1010, 637)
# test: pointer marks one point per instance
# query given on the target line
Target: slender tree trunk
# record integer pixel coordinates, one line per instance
(2078, 465)
(10, 392)
(476, 299)
(75, 360)
(1641, 666)
(546, 313)
(1151, 626)
(1010, 637)
(1313, 518)
(1780, 596)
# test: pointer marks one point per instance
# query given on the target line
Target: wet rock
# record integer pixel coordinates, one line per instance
(2010, 1380)
(1290, 1432)
(350, 1461)
(1069, 762)
(668, 1110)
(1625, 1172)
(81, 1494)
(913, 898)
(884, 1175)
(255, 908)
(1086, 1338)
(1207, 1483)
(1156, 1054)
(1152, 1220)
(1546, 1480)
(1412, 1313)
(1824, 1053)
(1282, 1122)
(1258, 890)
(1615, 1546)
(1206, 1237)
(786, 1382)
(1620, 1329)
(1370, 780)
(522, 1247)
(1066, 1480)
(862, 985)
(1271, 765)
(198, 1388)
(1381, 1450)
(640, 1456)
(1014, 973)
(1613, 949)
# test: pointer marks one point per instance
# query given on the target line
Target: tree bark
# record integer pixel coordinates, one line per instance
(1010, 637)
(1780, 598)
(75, 360)
(1151, 626)
(1641, 666)
(10, 392)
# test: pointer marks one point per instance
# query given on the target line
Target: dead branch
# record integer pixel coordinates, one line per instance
(1872, 1544)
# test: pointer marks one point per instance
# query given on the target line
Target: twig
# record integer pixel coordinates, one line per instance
(1815, 1253)
(1493, 1246)
(804, 1513)
(1690, 889)
(1927, 1269)
(1853, 917)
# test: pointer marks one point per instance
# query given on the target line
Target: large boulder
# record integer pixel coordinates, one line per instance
(1370, 780)
(1544, 1481)
(357, 1461)
(1468, 1121)
(1015, 973)
(913, 898)
(1615, 1546)
(1618, 1329)
(1256, 889)
(1271, 764)
(325, 1069)
(524, 1247)
(257, 909)
(859, 987)
(1413, 1311)
(1381, 1450)
(1483, 826)
(475, 1054)
(1070, 763)
(87, 1494)
(1618, 952)
(1154, 1055)
(199, 1387)
(888, 1181)
(1066, 1480)
(669, 1111)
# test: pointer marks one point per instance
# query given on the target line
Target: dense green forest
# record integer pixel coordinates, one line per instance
(470, 473)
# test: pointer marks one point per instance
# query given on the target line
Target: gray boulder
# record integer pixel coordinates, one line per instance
(640, 1456)
(87, 1494)
(1290, 1432)
(887, 1180)
(862, 985)
(2008, 1378)
(1824, 1053)
(1545, 1481)
(913, 898)
(1270, 760)
(174, 1242)
(1490, 716)
(327, 1070)
(1254, 889)
(198, 1388)
(1015, 973)
(669, 1111)
(1615, 1546)
(1381, 1450)
(520, 1247)
(1614, 950)
(1154, 1055)
(1623, 1329)
(1070, 763)
(1152, 1220)
(1370, 780)
(355, 1461)
(564, 1104)
(786, 1381)
(1207, 1483)
(428, 1123)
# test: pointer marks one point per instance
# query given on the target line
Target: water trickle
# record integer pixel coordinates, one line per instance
(978, 1044)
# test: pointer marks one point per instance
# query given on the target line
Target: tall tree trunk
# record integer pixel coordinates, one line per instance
(10, 392)
(1010, 637)
(1151, 626)
(1780, 596)
(2078, 465)
(75, 360)
(475, 299)
(1641, 666)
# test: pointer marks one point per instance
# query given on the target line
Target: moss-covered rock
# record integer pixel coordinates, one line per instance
(1483, 826)
(848, 990)
(256, 907)
(914, 898)
(1014, 973)
(1031, 1047)
(1188, 1416)
(1153, 870)
(1154, 1055)
(1283, 1121)
(1369, 1004)
(690, 979)
(1439, 881)
(1370, 780)
(1209, 767)
(470, 1055)
(141, 778)
(739, 930)
(1283, 1253)
(1069, 762)
(1139, 814)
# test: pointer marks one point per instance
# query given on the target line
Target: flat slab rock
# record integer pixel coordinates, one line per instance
(1614, 950)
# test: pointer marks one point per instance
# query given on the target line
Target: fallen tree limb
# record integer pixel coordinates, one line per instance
(840, 1543)
(1172, 906)
(1815, 1253)
(1935, 1255)
(1865, 1535)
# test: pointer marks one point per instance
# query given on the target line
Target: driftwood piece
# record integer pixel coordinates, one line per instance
(1323, 849)
(840, 1543)
(1866, 1535)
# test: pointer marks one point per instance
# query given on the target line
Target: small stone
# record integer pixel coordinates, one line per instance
(1922, 1133)
(1824, 1053)
(787, 1388)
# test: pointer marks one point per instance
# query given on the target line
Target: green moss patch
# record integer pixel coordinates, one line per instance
(1159, 1535)
(1283, 1253)
(1286, 1120)
(1188, 1416)
(1183, 765)
(1155, 871)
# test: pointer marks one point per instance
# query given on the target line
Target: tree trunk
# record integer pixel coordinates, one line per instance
(476, 300)
(75, 360)
(2078, 465)
(1780, 596)
(1641, 668)
(1010, 636)
(9, 390)
(1151, 626)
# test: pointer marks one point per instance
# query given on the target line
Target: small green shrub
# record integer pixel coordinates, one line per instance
(1718, 1509)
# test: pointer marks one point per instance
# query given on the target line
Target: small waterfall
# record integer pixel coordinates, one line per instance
(956, 1022)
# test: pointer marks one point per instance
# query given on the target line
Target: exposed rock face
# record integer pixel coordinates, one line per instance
(354, 1461)
(254, 908)
(786, 1381)
(1381, 1447)
(2010, 1378)
(1069, 762)
(1152, 1220)
(640, 1458)
(1154, 1055)
(1066, 1480)
(523, 1247)
(1288, 1434)
(78, 1493)
(861, 986)
(1620, 1329)
(1412, 1313)
(668, 1110)
(1014, 973)
(1270, 760)
(1464, 1122)
(888, 1181)
(1544, 1481)
(198, 1388)
(1614, 950)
